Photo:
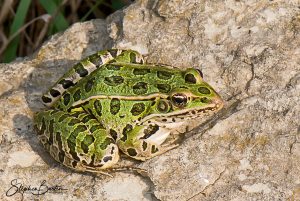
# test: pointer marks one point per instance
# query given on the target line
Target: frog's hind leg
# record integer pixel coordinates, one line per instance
(86, 67)
(76, 140)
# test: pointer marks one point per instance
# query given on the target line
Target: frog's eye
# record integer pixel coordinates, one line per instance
(163, 106)
(179, 100)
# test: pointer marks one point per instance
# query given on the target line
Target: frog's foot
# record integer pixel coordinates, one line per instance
(76, 140)
(145, 142)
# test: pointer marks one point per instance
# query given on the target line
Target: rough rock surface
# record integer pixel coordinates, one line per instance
(248, 50)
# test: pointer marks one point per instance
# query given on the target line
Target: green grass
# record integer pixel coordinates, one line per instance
(11, 50)
(23, 30)
(59, 21)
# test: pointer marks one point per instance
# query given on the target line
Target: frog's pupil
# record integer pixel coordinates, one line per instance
(180, 100)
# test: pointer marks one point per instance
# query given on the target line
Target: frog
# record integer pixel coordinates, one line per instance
(113, 102)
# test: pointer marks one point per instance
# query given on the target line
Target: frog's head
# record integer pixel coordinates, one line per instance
(189, 99)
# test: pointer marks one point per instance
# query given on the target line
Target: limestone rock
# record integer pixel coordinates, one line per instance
(247, 50)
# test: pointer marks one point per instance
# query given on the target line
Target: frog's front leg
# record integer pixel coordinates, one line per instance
(145, 142)
(76, 139)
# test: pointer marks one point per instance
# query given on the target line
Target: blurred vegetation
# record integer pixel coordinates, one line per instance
(25, 24)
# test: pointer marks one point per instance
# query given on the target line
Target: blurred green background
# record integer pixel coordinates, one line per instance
(26, 24)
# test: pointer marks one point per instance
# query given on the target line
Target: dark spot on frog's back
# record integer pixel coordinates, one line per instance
(80, 70)
(96, 127)
(163, 88)
(87, 141)
(78, 129)
(77, 95)
(46, 99)
(89, 85)
(190, 79)
(113, 67)
(113, 52)
(204, 90)
(140, 88)
(96, 60)
(125, 132)
(113, 80)
(115, 106)
(98, 107)
(137, 109)
(87, 118)
(164, 75)
(66, 83)
(73, 122)
(67, 98)
(113, 134)
(54, 93)
(141, 71)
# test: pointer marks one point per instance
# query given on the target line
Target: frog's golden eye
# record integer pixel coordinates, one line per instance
(163, 106)
(179, 99)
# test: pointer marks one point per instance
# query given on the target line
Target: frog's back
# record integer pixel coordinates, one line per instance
(124, 80)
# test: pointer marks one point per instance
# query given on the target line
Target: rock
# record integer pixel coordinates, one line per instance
(247, 50)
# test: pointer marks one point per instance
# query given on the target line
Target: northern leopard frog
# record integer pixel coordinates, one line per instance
(113, 101)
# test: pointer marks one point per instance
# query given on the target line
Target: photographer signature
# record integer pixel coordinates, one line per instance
(18, 188)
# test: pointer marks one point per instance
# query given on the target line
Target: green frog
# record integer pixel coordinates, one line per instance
(112, 102)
